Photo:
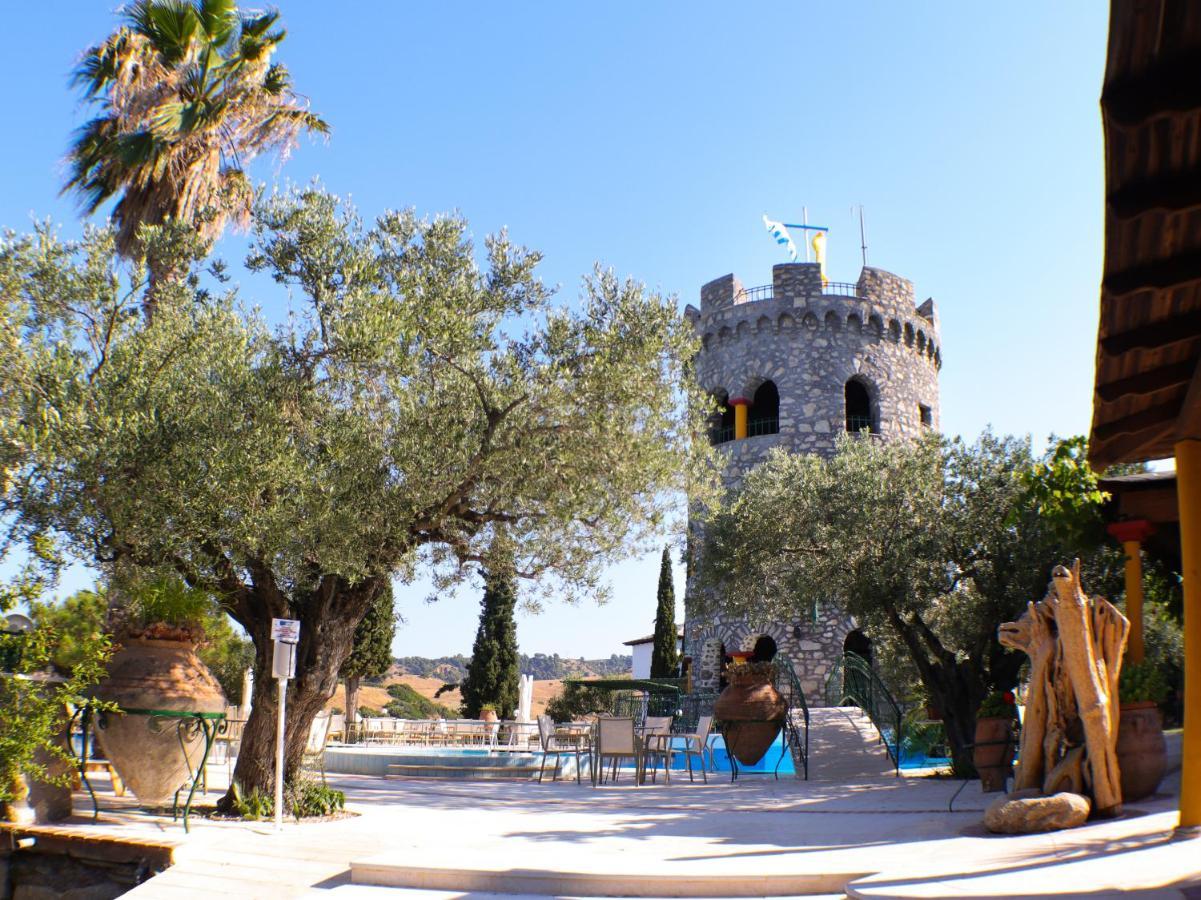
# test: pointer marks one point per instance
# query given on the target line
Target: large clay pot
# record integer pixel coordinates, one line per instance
(489, 715)
(993, 754)
(753, 712)
(148, 753)
(1142, 755)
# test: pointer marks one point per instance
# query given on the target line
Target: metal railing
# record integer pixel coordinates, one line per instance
(757, 427)
(796, 719)
(841, 289)
(856, 424)
(722, 435)
(750, 295)
(853, 679)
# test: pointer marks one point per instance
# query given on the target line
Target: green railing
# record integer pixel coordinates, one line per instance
(796, 727)
(853, 681)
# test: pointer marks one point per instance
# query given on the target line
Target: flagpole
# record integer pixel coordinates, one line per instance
(862, 237)
(805, 220)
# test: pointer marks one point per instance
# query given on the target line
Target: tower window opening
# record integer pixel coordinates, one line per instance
(764, 416)
(927, 415)
(860, 414)
(722, 429)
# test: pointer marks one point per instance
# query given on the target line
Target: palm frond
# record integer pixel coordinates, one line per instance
(218, 18)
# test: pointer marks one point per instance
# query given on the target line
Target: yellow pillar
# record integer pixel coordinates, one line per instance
(741, 406)
(1188, 493)
(1132, 533)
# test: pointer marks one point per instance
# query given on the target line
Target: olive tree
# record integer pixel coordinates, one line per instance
(929, 544)
(413, 401)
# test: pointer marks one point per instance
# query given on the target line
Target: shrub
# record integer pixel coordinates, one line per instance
(306, 799)
(1142, 682)
(998, 705)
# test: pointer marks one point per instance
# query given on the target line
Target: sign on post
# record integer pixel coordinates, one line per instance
(285, 635)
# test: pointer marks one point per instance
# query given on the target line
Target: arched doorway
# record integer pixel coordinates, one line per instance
(765, 649)
(765, 411)
(858, 643)
(861, 414)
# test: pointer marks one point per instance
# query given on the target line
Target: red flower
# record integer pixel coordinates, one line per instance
(1008, 697)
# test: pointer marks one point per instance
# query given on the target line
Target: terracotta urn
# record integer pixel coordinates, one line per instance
(752, 712)
(1142, 754)
(993, 754)
(488, 715)
(152, 755)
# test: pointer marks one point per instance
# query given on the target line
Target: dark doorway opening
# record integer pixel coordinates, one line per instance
(859, 408)
(858, 643)
(765, 649)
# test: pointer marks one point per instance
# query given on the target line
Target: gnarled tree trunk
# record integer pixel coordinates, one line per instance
(328, 619)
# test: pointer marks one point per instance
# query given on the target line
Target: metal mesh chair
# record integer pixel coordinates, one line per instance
(656, 744)
(615, 740)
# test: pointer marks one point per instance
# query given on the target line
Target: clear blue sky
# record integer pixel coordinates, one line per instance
(653, 137)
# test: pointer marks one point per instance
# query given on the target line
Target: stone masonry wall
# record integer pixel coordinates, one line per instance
(810, 341)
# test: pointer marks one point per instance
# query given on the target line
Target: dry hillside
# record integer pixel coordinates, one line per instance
(377, 695)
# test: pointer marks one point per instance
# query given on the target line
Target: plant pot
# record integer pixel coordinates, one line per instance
(52, 802)
(16, 809)
(993, 754)
(152, 755)
(489, 715)
(1142, 755)
(753, 711)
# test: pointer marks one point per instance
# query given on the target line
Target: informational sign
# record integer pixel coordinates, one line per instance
(286, 630)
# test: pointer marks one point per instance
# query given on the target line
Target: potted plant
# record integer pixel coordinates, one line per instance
(751, 710)
(488, 713)
(157, 630)
(994, 747)
(1142, 755)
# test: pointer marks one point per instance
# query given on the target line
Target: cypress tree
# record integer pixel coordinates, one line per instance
(493, 675)
(372, 653)
(664, 659)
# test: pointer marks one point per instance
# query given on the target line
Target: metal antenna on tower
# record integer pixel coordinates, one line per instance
(862, 236)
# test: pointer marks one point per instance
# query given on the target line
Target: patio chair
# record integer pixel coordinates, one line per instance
(656, 744)
(559, 745)
(337, 727)
(314, 748)
(615, 740)
(697, 744)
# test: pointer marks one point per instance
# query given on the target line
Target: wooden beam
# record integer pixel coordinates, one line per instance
(1170, 271)
(1147, 443)
(1169, 86)
(1168, 193)
(1188, 420)
(1147, 382)
(1182, 327)
(1153, 417)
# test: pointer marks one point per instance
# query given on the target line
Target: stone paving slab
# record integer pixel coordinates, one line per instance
(896, 829)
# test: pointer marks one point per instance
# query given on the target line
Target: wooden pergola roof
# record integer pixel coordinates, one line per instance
(1148, 383)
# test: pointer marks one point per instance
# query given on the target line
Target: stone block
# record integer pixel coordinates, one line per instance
(1029, 812)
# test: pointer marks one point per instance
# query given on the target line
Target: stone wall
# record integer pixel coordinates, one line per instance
(810, 339)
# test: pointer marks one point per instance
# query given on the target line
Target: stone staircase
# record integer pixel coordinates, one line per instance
(844, 745)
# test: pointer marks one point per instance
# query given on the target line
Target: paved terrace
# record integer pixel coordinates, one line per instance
(880, 838)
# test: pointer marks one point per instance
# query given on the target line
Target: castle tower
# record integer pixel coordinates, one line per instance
(794, 364)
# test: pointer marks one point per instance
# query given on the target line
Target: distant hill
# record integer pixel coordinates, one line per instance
(543, 667)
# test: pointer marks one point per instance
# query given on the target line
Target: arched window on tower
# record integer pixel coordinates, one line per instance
(764, 416)
(722, 428)
(861, 413)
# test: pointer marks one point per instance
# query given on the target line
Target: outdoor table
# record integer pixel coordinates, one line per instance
(188, 724)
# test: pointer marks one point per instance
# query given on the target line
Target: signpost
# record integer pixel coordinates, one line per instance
(285, 634)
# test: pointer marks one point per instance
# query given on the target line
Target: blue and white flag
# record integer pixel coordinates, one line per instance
(779, 231)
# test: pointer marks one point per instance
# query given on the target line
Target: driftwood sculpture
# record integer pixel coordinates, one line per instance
(1070, 729)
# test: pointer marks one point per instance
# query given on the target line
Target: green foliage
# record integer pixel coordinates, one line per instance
(370, 712)
(493, 677)
(78, 623)
(305, 798)
(33, 710)
(372, 653)
(998, 705)
(1140, 682)
(413, 402)
(1064, 491)
(227, 652)
(408, 704)
(664, 654)
(188, 95)
(253, 804)
(577, 700)
(162, 607)
(929, 544)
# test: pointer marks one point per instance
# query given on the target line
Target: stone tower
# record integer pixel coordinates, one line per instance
(795, 363)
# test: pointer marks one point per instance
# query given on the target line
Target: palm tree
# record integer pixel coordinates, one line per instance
(188, 96)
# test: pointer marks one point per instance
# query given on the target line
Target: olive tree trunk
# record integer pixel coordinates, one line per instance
(328, 621)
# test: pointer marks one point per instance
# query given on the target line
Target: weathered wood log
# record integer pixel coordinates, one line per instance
(1069, 735)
